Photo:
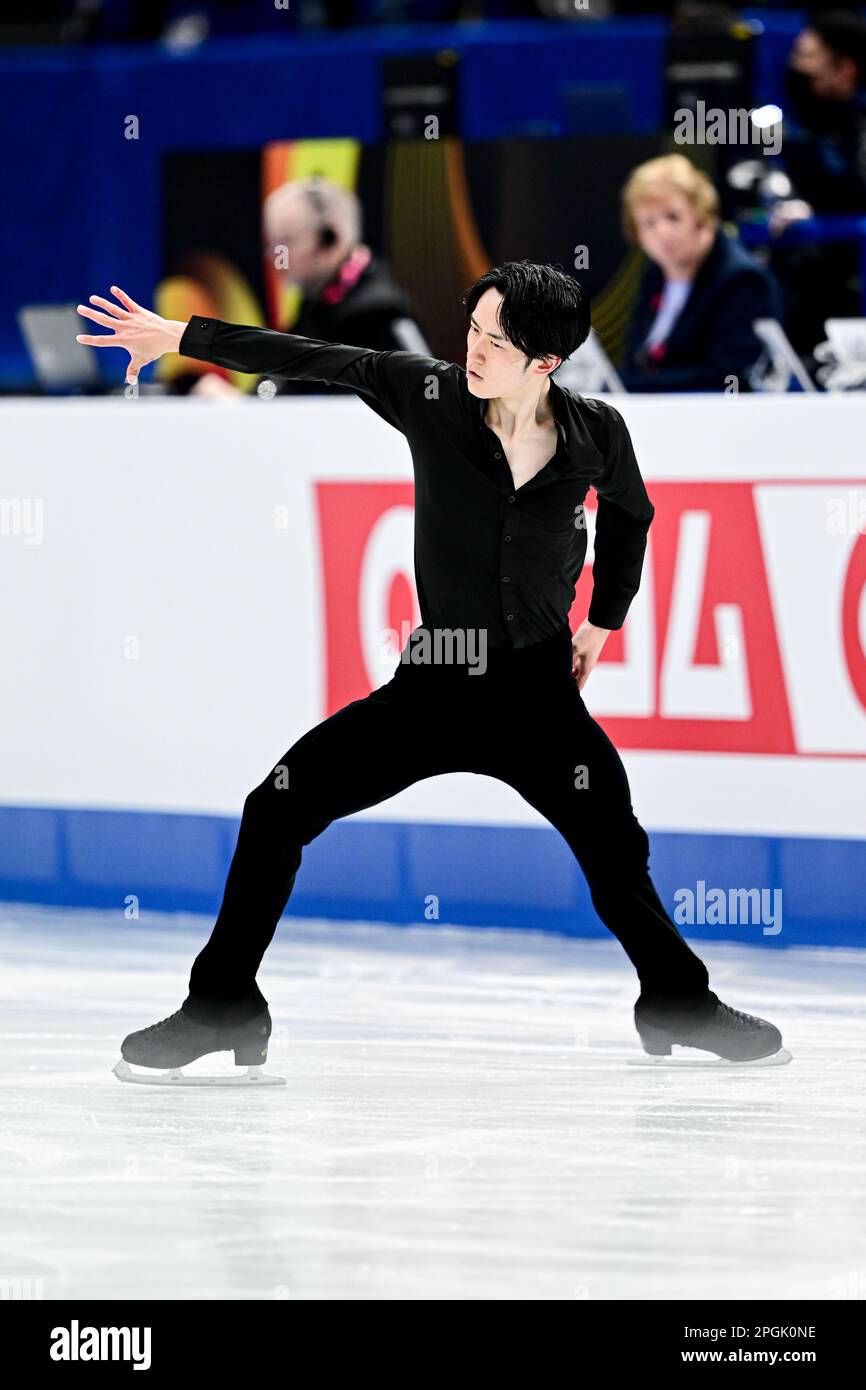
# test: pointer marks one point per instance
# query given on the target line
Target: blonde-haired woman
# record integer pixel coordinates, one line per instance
(692, 323)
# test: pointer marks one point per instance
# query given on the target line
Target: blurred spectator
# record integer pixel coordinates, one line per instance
(824, 157)
(825, 120)
(312, 230)
(692, 324)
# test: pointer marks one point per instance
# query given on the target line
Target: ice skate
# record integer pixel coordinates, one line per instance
(178, 1040)
(732, 1038)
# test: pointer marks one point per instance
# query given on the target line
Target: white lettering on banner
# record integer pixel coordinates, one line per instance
(627, 687)
(711, 657)
(388, 556)
(689, 691)
(808, 568)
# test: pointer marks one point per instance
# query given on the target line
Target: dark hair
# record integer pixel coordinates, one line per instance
(844, 34)
(544, 312)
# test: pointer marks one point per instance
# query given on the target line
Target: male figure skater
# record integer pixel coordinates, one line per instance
(503, 459)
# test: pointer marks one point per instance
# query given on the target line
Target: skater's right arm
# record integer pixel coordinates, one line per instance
(384, 380)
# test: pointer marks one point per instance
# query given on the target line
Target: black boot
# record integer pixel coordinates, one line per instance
(709, 1025)
(179, 1039)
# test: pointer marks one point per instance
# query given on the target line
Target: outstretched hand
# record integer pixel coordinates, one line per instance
(586, 645)
(144, 334)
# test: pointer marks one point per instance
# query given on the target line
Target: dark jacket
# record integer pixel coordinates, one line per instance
(362, 309)
(712, 340)
(824, 150)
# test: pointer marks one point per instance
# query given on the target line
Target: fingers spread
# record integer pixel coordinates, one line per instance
(124, 298)
(94, 314)
(114, 309)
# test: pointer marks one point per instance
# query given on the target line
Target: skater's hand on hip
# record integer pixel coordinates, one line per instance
(144, 334)
(586, 645)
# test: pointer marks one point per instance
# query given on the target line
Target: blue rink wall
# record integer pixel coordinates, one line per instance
(501, 876)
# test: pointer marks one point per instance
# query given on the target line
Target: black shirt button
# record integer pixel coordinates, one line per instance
(506, 579)
(497, 455)
(511, 499)
(506, 538)
(508, 617)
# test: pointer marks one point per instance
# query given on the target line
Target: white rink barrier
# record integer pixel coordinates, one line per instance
(190, 585)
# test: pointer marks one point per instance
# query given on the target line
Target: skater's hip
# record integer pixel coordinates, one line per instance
(439, 657)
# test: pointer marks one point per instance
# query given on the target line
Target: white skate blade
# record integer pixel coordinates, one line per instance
(253, 1076)
(776, 1059)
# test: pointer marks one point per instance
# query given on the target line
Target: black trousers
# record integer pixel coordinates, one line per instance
(522, 720)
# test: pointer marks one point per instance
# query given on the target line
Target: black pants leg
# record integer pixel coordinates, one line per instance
(524, 722)
(362, 755)
(539, 737)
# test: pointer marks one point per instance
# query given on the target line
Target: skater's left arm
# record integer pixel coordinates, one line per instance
(623, 518)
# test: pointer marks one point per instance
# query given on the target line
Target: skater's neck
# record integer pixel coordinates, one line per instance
(519, 415)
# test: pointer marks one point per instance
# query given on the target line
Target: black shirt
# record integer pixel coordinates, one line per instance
(488, 556)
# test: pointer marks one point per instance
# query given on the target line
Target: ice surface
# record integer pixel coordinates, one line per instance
(459, 1122)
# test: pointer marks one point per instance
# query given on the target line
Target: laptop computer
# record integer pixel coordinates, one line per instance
(60, 363)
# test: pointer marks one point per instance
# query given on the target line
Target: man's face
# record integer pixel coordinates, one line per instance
(668, 230)
(494, 366)
(829, 77)
(294, 229)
